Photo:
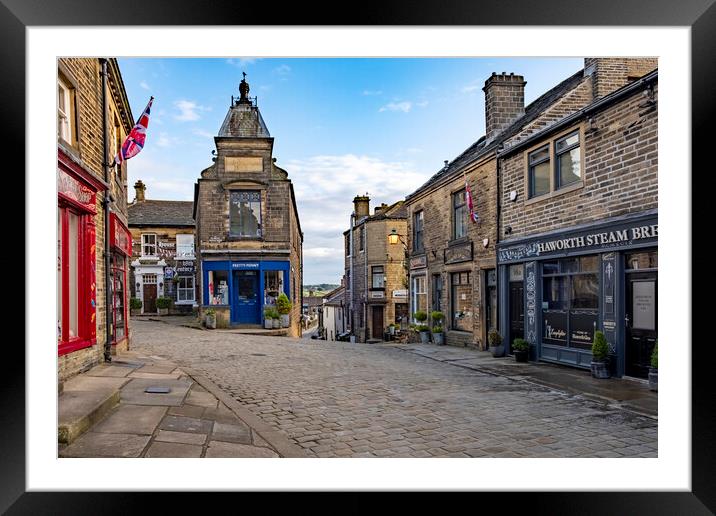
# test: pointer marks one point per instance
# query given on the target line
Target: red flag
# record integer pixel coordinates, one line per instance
(468, 195)
(134, 143)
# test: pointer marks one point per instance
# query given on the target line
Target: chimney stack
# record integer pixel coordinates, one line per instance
(139, 189)
(611, 73)
(504, 102)
(361, 206)
(380, 208)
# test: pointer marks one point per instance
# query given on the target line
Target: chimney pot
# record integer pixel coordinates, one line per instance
(361, 206)
(504, 102)
(139, 189)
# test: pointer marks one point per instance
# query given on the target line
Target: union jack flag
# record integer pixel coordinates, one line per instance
(468, 195)
(135, 141)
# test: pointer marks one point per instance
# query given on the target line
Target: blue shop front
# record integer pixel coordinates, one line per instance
(246, 287)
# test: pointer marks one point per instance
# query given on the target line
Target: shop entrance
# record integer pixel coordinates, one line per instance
(378, 322)
(149, 293)
(641, 322)
(517, 313)
(245, 299)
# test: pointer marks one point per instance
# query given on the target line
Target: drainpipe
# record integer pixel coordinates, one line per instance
(107, 201)
(365, 278)
(497, 239)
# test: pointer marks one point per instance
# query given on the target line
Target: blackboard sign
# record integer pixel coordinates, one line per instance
(581, 329)
(555, 327)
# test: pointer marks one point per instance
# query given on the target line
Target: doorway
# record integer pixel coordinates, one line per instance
(149, 293)
(377, 320)
(246, 294)
(517, 313)
(641, 322)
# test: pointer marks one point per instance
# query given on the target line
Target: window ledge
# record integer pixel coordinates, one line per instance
(556, 193)
(458, 241)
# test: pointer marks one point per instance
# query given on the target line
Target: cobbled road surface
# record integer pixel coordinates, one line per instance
(338, 399)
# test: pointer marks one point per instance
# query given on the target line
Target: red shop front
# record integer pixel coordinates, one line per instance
(76, 256)
(121, 251)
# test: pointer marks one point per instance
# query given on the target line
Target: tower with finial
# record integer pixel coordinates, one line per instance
(244, 91)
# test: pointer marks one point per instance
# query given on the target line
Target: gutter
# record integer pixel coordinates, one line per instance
(604, 102)
(106, 203)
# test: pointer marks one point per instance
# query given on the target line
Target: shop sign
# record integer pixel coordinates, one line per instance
(403, 293)
(120, 237)
(418, 262)
(245, 265)
(168, 273)
(615, 236)
(185, 267)
(458, 253)
(376, 294)
(75, 190)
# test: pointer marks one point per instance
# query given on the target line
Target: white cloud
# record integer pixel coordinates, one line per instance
(202, 132)
(404, 106)
(470, 88)
(144, 85)
(284, 69)
(164, 140)
(242, 61)
(372, 92)
(422, 104)
(325, 187)
(188, 110)
(164, 180)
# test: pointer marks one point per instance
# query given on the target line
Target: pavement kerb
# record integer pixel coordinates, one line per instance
(540, 383)
(283, 446)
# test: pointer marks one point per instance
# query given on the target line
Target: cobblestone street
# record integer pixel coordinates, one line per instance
(337, 399)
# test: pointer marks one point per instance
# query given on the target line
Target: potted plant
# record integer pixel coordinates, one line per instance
(495, 340)
(520, 347)
(654, 369)
(135, 305)
(421, 327)
(210, 320)
(163, 304)
(600, 352)
(275, 318)
(284, 309)
(268, 318)
(391, 329)
(437, 318)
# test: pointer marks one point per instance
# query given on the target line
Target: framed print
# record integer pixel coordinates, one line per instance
(522, 230)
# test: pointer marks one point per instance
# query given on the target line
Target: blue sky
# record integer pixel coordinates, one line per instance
(341, 127)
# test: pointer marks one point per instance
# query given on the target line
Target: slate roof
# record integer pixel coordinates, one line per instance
(481, 147)
(397, 210)
(161, 213)
(335, 296)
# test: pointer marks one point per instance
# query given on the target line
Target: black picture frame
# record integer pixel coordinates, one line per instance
(699, 15)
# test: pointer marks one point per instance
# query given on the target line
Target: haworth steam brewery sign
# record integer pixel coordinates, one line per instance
(619, 235)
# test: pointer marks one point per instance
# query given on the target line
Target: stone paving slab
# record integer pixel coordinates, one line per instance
(218, 449)
(236, 433)
(160, 449)
(157, 368)
(78, 410)
(155, 376)
(94, 383)
(112, 370)
(180, 437)
(132, 419)
(133, 393)
(201, 399)
(186, 424)
(93, 444)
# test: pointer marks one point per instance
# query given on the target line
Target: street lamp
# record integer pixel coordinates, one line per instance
(394, 238)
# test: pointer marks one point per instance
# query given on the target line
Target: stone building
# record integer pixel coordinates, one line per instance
(93, 244)
(248, 236)
(375, 280)
(334, 319)
(578, 220)
(163, 260)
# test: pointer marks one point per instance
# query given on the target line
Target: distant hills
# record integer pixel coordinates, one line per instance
(319, 289)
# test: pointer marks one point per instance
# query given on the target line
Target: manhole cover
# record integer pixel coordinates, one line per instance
(157, 390)
(258, 354)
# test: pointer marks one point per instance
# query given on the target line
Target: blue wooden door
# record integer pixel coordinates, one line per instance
(246, 297)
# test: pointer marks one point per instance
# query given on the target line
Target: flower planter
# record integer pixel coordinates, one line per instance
(210, 322)
(135, 311)
(163, 311)
(276, 323)
(438, 339)
(268, 323)
(497, 351)
(424, 337)
(521, 356)
(653, 379)
(285, 320)
(600, 370)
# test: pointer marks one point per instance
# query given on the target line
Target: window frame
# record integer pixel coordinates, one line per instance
(155, 245)
(185, 256)
(70, 87)
(375, 274)
(186, 288)
(235, 236)
(414, 293)
(454, 207)
(361, 238)
(453, 285)
(418, 241)
(554, 190)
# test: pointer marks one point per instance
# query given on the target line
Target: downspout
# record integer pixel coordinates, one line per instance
(107, 201)
(497, 240)
(364, 228)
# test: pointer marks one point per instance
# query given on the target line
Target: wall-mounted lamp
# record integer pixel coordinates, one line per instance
(393, 237)
(138, 284)
(508, 230)
(485, 242)
(513, 195)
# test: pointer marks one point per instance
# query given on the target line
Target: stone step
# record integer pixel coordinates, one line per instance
(78, 410)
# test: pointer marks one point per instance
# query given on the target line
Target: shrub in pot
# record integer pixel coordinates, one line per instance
(421, 327)
(135, 305)
(210, 319)
(391, 329)
(520, 348)
(284, 309)
(268, 318)
(495, 341)
(437, 318)
(275, 318)
(600, 353)
(654, 369)
(163, 305)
